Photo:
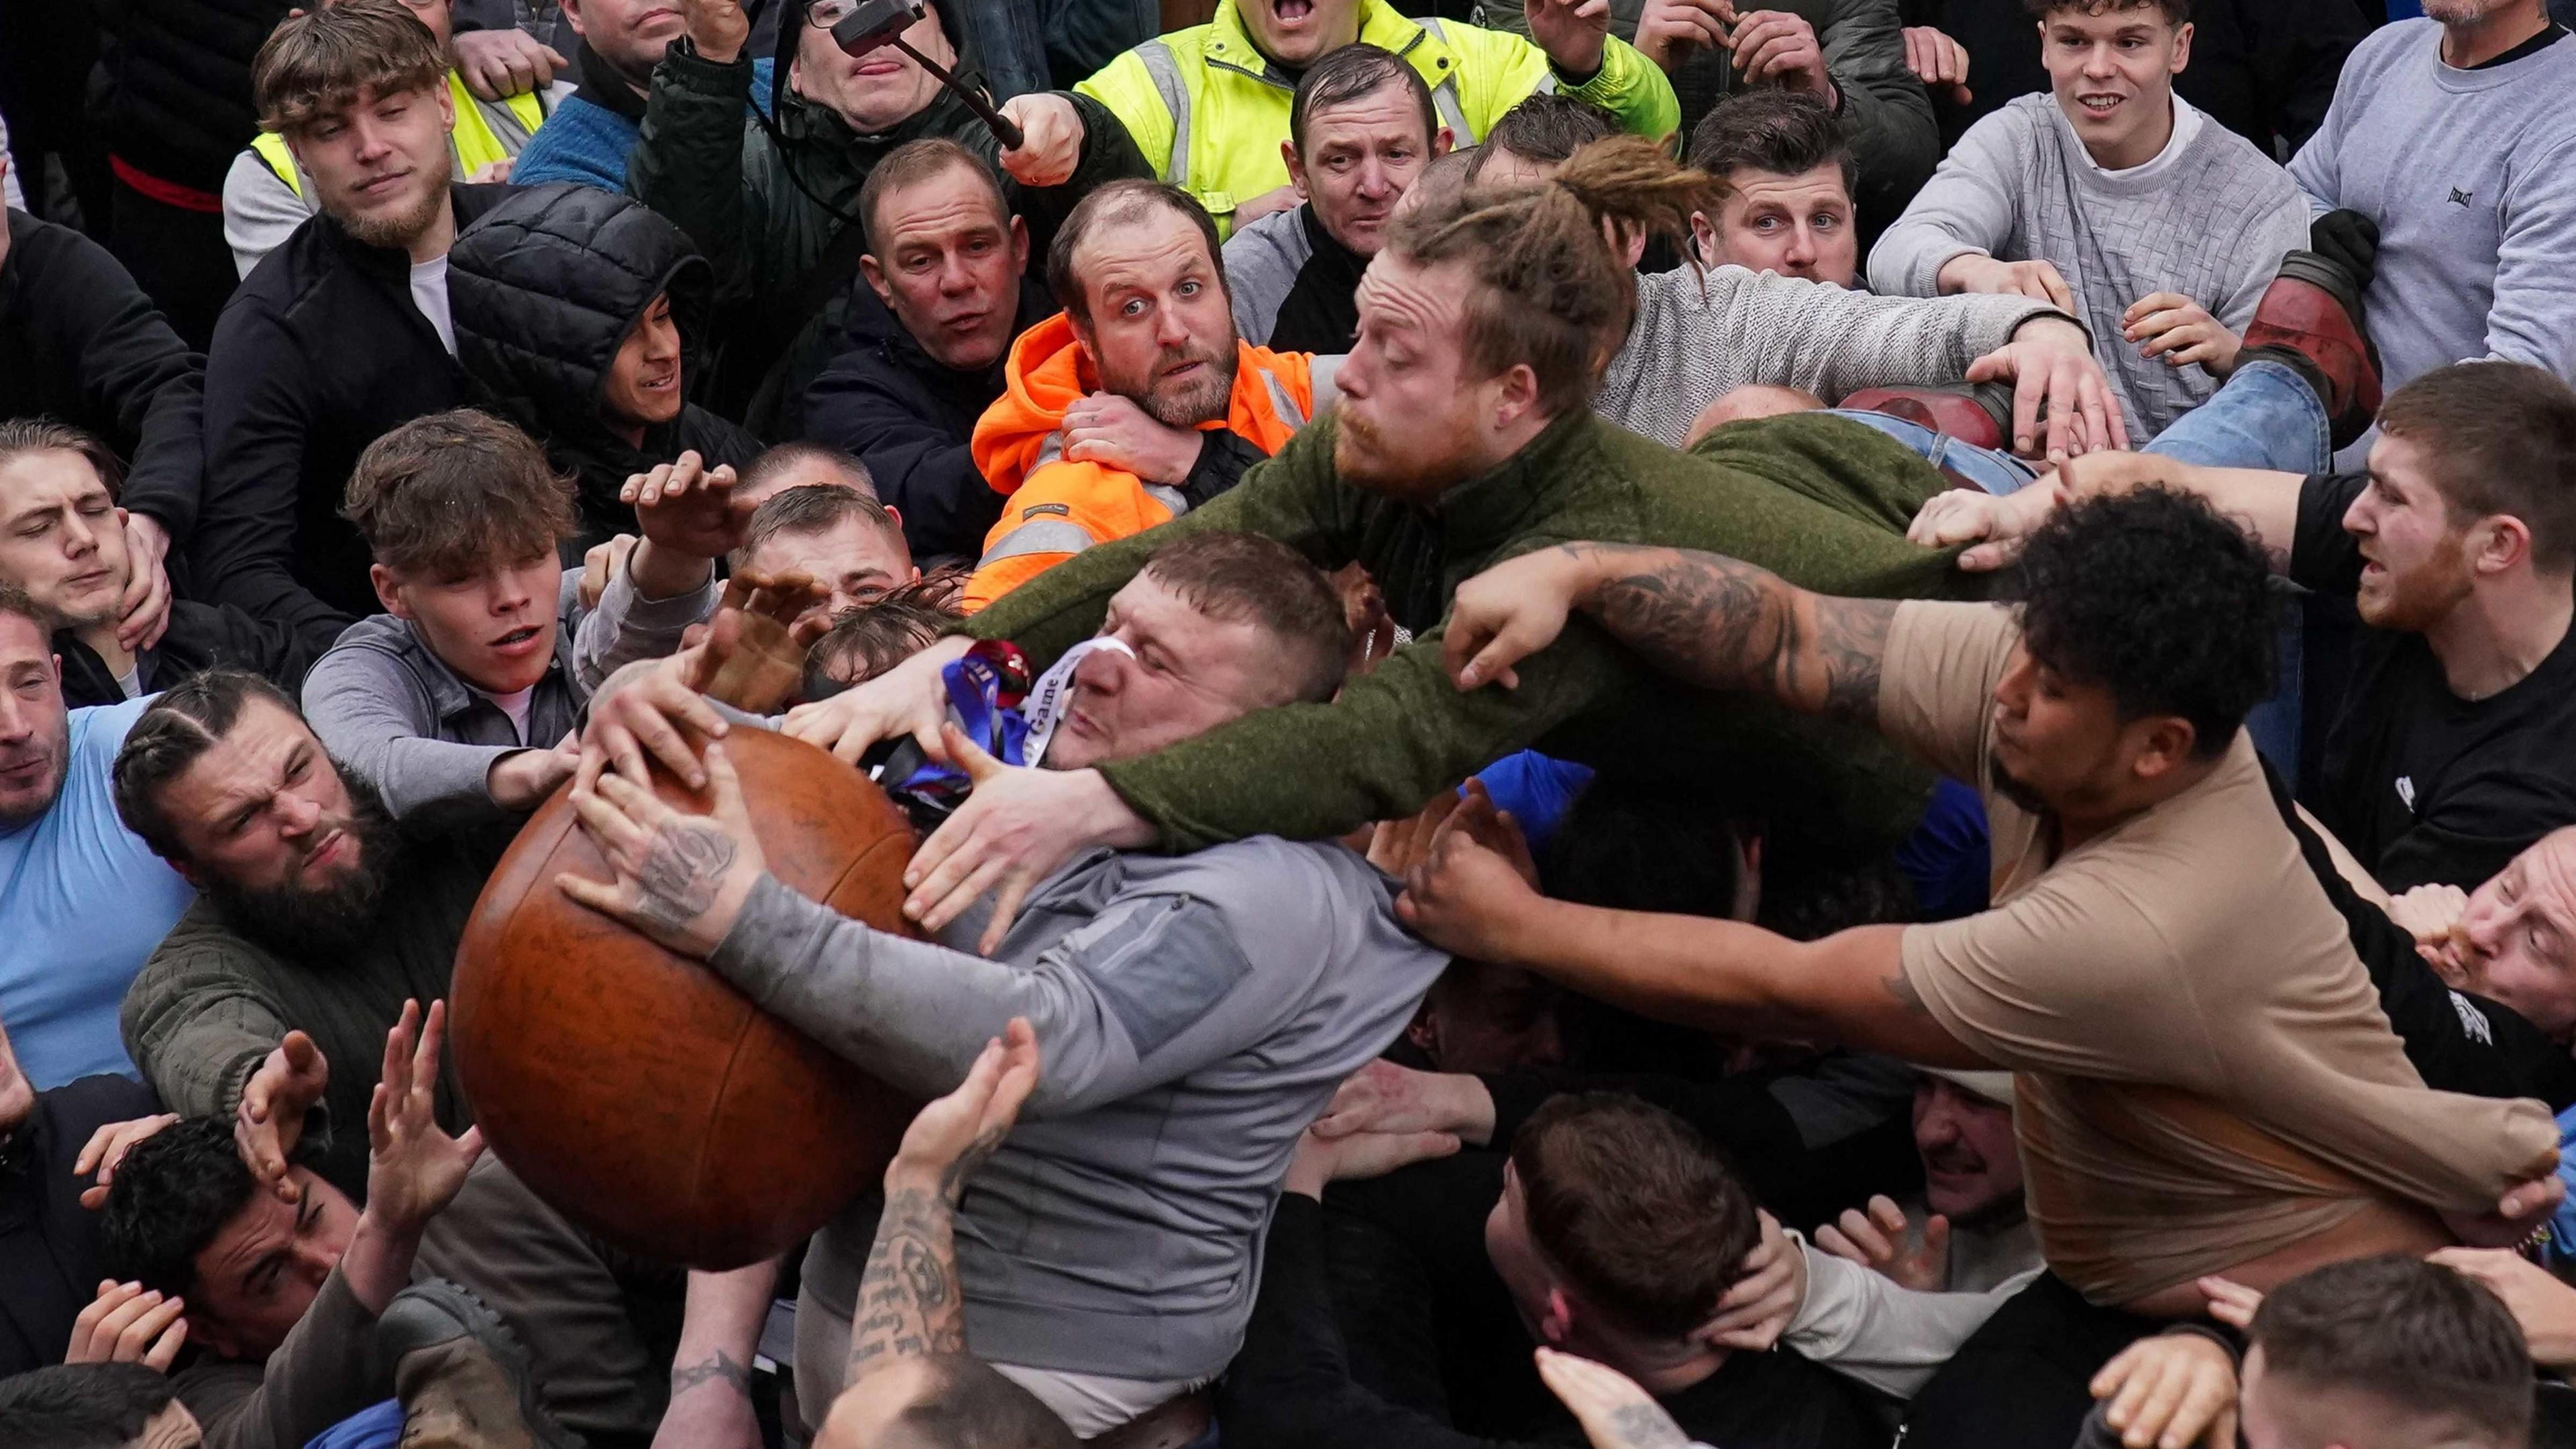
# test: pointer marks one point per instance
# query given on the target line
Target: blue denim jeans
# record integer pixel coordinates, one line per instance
(1996, 472)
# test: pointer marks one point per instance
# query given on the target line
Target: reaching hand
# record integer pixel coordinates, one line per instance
(1992, 526)
(414, 1168)
(1269, 203)
(2230, 1302)
(499, 64)
(650, 710)
(1017, 828)
(2053, 372)
(680, 879)
(2170, 1392)
(2516, 1214)
(2543, 1306)
(1572, 32)
(1760, 1306)
(1324, 1160)
(600, 564)
(1466, 899)
(1671, 31)
(1386, 1098)
(2039, 281)
(1938, 61)
(1508, 613)
(1779, 48)
(1614, 1412)
(909, 699)
(755, 645)
(124, 1324)
(1111, 430)
(717, 28)
(1877, 1239)
(143, 610)
(953, 1136)
(270, 1118)
(1050, 139)
(2182, 332)
(689, 508)
(106, 1148)
(1397, 846)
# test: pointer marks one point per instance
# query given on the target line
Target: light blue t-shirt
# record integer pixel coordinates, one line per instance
(82, 903)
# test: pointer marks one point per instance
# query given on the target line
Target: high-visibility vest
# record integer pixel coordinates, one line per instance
(485, 132)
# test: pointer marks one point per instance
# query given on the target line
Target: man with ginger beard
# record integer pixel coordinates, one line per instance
(1140, 402)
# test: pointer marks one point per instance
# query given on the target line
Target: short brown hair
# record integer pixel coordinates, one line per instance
(880, 634)
(1635, 1208)
(447, 495)
(19, 436)
(914, 162)
(810, 508)
(1120, 203)
(1549, 292)
(1345, 75)
(1549, 126)
(2413, 1334)
(319, 61)
(1787, 133)
(1246, 578)
(2505, 437)
(2177, 12)
(778, 458)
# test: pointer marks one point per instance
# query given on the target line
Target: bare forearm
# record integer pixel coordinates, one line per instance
(378, 1262)
(909, 1303)
(720, 1330)
(1719, 623)
(2263, 502)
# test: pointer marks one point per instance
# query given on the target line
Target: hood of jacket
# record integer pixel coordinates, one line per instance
(544, 289)
(1044, 375)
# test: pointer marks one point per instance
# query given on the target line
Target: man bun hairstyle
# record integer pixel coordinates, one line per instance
(1787, 133)
(1550, 293)
(1345, 75)
(1635, 1208)
(173, 1192)
(171, 734)
(319, 61)
(2157, 598)
(1120, 203)
(449, 495)
(1245, 578)
(2428, 1342)
(1549, 127)
(915, 162)
(21, 436)
(2503, 435)
(83, 1405)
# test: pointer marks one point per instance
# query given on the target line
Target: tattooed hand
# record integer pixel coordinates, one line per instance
(680, 879)
(1614, 1412)
(909, 1302)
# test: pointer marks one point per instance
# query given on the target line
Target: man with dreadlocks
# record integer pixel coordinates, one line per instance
(1463, 437)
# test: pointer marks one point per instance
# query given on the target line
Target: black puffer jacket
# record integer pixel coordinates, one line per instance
(543, 290)
(178, 102)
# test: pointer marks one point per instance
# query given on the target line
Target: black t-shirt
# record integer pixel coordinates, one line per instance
(2425, 786)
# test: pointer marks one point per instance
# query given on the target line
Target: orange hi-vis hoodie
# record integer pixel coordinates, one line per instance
(1060, 507)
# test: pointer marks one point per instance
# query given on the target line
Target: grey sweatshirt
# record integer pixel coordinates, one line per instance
(2210, 218)
(1698, 335)
(1194, 1015)
(2471, 175)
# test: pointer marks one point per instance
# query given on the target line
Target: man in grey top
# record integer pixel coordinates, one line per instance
(1198, 1011)
(2113, 198)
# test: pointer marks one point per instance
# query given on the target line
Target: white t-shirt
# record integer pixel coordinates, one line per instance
(515, 705)
(131, 681)
(429, 294)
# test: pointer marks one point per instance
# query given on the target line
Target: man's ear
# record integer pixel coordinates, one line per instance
(1443, 142)
(446, 108)
(1296, 168)
(2182, 48)
(1019, 244)
(875, 274)
(390, 590)
(1704, 238)
(1557, 1324)
(2167, 746)
(2500, 543)
(572, 14)
(1517, 397)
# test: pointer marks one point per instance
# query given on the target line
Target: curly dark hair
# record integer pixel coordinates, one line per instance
(173, 1192)
(2157, 598)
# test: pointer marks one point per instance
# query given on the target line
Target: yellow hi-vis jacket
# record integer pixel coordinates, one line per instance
(1209, 111)
(485, 132)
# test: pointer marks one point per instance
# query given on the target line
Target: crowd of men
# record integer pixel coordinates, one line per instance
(1786, 728)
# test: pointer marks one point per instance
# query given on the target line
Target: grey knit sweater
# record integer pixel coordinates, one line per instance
(1699, 335)
(2209, 219)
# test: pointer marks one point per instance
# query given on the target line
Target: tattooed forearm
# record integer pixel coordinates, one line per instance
(1720, 624)
(682, 869)
(909, 1302)
(719, 1369)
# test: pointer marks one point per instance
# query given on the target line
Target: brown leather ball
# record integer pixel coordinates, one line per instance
(637, 1091)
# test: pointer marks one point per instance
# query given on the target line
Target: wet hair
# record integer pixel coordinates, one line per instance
(2504, 434)
(966, 1403)
(1635, 1208)
(2413, 1335)
(2155, 597)
(1549, 293)
(82, 1405)
(1787, 133)
(1549, 126)
(171, 735)
(21, 436)
(785, 456)
(1245, 578)
(876, 636)
(915, 162)
(2177, 12)
(1121, 203)
(317, 62)
(172, 1194)
(811, 508)
(1345, 75)
(451, 495)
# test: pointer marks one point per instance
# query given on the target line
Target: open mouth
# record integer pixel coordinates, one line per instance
(329, 848)
(2099, 106)
(664, 382)
(965, 322)
(1292, 13)
(517, 643)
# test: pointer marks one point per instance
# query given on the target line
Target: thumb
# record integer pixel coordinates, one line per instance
(1936, 1233)
(968, 756)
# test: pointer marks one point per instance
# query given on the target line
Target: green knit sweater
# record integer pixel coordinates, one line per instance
(1821, 500)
